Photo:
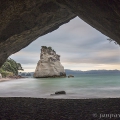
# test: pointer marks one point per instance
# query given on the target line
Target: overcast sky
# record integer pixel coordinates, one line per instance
(80, 46)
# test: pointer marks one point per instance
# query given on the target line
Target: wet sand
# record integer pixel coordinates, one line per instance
(8, 79)
(59, 109)
(5, 79)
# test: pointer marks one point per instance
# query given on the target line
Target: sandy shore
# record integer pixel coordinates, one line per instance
(59, 109)
(5, 79)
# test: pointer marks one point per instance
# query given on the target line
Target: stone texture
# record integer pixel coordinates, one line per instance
(69, 76)
(102, 15)
(22, 21)
(49, 64)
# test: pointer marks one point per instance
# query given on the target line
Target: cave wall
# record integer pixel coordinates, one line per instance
(23, 21)
(102, 15)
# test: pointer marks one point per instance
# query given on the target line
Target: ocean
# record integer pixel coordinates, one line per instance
(82, 86)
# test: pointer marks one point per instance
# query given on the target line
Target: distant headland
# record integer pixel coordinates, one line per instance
(49, 64)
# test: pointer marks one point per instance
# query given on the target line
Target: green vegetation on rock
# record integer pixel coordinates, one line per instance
(50, 48)
(111, 40)
(45, 47)
(10, 68)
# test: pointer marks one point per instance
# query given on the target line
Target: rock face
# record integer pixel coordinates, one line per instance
(49, 64)
(23, 21)
(59, 93)
(0, 76)
(69, 76)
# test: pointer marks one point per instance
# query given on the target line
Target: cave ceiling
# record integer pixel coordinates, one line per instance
(23, 21)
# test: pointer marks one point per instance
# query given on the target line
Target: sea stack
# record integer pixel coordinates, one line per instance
(49, 64)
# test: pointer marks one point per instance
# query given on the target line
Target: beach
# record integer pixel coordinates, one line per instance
(10, 78)
(18, 108)
(5, 79)
(87, 97)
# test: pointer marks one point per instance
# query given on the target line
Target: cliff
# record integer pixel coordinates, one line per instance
(49, 64)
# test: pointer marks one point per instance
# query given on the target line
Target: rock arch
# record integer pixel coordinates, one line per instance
(23, 21)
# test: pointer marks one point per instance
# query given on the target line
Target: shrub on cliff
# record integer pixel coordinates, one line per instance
(45, 47)
(6, 73)
(50, 48)
(10, 68)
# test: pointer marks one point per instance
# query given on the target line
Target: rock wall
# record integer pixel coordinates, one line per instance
(103, 15)
(49, 64)
(23, 21)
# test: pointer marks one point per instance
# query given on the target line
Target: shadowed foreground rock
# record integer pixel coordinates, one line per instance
(23, 21)
(58, 109)
(60, 92)
(69, 76)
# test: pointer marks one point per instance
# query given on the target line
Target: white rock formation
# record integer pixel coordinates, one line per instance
(0, 76)
(49, 64)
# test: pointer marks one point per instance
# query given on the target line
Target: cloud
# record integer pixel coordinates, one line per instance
(77, 43)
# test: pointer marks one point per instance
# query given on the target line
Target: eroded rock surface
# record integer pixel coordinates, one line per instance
(23, 21)
(101, 15)
(49, 64)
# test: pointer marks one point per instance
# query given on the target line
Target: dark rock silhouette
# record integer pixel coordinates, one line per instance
(21, 21)
(69, 76)
(59, 93)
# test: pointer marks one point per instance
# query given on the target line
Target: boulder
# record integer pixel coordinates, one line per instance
(59, 93)
(69, 76)
(49, 64)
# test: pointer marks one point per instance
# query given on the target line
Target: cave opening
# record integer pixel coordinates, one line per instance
(79, 45)
(85, 52)
(81, 49)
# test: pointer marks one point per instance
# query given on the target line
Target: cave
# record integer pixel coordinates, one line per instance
(24, 21)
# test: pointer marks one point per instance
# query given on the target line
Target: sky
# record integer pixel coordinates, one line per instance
(80, 46)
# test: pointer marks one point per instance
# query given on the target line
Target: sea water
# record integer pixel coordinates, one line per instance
(80, 87)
